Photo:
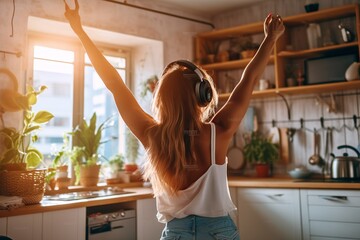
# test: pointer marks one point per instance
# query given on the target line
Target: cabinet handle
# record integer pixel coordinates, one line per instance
(117, 227)
(275, 196)
(335, 198)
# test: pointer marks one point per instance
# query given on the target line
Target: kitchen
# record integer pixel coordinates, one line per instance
(174, 43)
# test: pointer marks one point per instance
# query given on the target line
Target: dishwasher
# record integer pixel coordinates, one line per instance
(112, 226)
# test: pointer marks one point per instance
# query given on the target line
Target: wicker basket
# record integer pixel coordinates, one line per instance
(30, 185)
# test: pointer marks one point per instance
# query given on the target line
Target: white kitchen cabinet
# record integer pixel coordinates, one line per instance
(148, 227)
(233, 195)
(3, 222)
(265, 213)
(67, 224)
(25, 227)
(330, 214)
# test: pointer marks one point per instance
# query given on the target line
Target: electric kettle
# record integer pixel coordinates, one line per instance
(345, 167)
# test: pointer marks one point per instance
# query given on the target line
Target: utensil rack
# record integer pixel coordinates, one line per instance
(322, 121)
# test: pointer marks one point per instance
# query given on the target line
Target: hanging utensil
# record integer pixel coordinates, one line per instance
(328, 150)
(357, 131)
(316, 159)
(235, 155)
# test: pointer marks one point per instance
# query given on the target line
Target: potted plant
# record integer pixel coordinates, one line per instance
(248, 48)
(18, 158)
(114, 172)
(211, 49)
(260, 151)
(60, 165)
(132, 152)
(87, 138)
(149, 85)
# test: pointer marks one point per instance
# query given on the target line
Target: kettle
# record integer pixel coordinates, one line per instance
(345, 167)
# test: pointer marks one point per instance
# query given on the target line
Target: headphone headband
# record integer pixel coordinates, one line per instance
(203, 88)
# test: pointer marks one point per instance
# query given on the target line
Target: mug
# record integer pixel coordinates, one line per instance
(264, 84)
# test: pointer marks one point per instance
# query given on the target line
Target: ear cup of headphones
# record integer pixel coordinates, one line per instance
(203, 92)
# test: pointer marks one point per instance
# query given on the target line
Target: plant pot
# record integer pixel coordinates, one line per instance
(29, 185)
(262, 170)
(130, 167)
(89, 175)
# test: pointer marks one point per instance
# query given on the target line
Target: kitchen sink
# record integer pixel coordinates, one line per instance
(72, 196)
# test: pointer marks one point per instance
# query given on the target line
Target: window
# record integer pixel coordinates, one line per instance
(74, 91)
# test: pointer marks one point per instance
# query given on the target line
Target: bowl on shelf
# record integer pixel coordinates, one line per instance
(300, 173)
(311, 7)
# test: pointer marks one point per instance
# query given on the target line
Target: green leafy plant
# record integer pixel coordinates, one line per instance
(18, 143)
(132, 147)
(116, 161)
(87, 138)
(260, 149)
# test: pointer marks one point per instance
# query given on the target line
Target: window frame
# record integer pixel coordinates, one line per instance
(71, 44)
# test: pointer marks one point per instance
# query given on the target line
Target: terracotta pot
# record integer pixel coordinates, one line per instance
(89, 175)
(130, 167)
(262, 170)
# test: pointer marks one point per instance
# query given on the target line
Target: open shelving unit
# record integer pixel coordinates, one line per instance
(283, 54)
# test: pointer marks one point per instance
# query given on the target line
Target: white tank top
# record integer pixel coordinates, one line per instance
(209, 196)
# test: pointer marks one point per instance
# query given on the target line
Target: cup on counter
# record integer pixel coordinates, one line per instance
(264, 84)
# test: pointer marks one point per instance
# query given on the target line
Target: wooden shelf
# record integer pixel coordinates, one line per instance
(308, 89)
(322, 15)
(315, 51)
(229, 65)
(233, 31)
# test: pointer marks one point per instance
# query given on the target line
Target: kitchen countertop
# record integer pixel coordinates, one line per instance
(137, 193)
(140, 192)
(287, 182)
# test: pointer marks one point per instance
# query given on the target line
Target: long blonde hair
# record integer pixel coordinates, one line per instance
(179, 117)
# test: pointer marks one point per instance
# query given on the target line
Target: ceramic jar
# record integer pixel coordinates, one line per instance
(353, 72)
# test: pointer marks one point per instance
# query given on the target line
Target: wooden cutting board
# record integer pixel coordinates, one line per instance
(284, 146)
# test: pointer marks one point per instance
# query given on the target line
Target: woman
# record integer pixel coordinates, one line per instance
(185, 141)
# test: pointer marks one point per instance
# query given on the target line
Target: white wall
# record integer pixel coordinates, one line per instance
(174, 34)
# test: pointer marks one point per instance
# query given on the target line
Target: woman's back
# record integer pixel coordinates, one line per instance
(202, 150)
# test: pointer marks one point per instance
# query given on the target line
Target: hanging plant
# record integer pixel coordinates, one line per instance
(149, 85)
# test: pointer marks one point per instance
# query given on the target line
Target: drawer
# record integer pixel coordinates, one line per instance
(262, 195)
(334, 198)
(335, 230)
(339, 214)
(331, 238)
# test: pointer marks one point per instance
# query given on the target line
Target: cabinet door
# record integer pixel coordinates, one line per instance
(3, 222)
(330, 214)
(25, 227)
(233, 194)
(148, 227)
(269, 214)
(67, 224)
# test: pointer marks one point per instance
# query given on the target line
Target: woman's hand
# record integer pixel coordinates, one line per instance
(273, 27)
(73, 16)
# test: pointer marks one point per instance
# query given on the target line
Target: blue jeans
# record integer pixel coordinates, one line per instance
(200, 228)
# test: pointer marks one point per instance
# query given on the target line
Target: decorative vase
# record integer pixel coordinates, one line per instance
(353, 72)
(314, 35)
(262, 170)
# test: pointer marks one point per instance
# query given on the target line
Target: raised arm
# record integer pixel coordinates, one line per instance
(131, 112)
(231, 114)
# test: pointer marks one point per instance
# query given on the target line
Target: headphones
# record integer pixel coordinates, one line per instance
(203, 90)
